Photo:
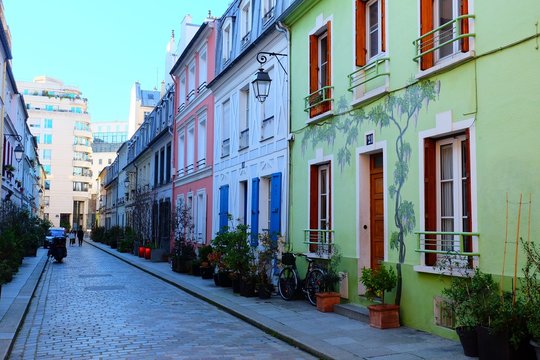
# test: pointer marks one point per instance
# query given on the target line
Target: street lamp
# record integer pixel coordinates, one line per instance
(261, 84)
(19, 151)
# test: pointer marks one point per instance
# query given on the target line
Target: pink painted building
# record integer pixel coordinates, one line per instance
(193, 142)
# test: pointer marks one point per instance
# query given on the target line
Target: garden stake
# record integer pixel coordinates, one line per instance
(504, 257)
(517, 248)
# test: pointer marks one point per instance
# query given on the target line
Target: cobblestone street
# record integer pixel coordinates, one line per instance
(96, 306)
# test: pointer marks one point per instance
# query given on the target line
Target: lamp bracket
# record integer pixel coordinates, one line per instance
(262, 58)
(17, 137)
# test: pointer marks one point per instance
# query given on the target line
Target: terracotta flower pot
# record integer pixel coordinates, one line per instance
(384, 316)
(327, 300)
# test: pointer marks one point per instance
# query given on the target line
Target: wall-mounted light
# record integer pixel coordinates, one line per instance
(19, 151)
(261, 84)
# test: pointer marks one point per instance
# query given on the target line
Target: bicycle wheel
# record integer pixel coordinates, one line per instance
(313, 283)
(287, 283)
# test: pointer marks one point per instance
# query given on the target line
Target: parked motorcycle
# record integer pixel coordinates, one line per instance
(58, 249)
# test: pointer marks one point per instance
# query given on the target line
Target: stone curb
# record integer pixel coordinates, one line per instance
(14, 317)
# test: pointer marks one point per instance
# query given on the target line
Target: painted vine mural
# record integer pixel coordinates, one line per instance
(397, 112)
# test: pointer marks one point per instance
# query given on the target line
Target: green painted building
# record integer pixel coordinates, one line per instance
(414, 116)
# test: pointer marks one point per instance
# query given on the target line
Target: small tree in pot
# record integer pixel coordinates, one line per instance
(377, 282)
(328, 295)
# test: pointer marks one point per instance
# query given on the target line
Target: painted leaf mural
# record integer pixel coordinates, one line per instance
(398, 112)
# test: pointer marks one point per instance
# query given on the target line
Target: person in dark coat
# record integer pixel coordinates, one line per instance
(80, 236)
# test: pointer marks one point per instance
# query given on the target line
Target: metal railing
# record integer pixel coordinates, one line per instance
(319, 241)
(446, 243)
(201, 163)
(369, 72)
(436, 38)
(318, 97)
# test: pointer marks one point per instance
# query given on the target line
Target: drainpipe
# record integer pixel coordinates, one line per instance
(283, 29)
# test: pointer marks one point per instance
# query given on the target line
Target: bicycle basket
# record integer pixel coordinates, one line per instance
(288, 259)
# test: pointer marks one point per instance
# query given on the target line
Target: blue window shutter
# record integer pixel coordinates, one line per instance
(223, 206)
(255, 211)
(275, 206)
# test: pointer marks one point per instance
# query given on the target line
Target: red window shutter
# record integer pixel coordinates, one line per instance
(313, 63)
(465, 25)
(426, 25)
(314, 201)
(430, 197)
(360, 33)
(313, 70)
(383, 26)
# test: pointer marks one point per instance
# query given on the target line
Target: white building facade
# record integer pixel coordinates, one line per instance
(251, 137)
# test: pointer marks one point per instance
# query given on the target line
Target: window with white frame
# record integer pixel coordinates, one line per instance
(268, 110)
(225, 128)
(245, 21)
(182, 92)
(203, 67)
(373, 28)
(200, 218)
(181, 147)
(267, 9)
(190, 148)
(189, 207)
(244, 118)
(191, 80)
(227, 39)
(447, 196)
(444, 12)
(201, 141)
(452, 197)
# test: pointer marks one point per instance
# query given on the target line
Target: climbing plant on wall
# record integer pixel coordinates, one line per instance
(399, 112)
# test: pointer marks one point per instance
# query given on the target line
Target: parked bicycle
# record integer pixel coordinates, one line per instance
(290, 283)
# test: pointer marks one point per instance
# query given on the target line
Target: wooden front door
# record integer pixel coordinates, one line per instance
(377, 209)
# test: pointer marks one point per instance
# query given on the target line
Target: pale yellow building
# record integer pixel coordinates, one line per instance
(58, 118)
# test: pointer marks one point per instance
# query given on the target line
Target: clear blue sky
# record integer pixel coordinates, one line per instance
(100, 46)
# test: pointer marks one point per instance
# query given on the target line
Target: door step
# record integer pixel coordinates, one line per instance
(353, 311)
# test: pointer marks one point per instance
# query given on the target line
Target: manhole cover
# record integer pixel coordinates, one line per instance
(102, 288)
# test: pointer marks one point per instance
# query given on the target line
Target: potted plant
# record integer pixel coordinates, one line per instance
(328, 295)
(237, 254)
(377, 282)
(459, 295)
(264, 265)
(207, 270)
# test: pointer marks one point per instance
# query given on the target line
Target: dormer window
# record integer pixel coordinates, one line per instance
(227, 39)
(245, 21)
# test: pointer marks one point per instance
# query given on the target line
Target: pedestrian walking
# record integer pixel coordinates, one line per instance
(80, 236)
(71, 237)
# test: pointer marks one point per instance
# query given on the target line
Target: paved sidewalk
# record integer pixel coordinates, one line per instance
(325, 335)
(16, 296)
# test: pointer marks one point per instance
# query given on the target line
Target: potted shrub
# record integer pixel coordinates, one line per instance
(207, 270)
(328, 296)
(377, 282)
(264, 265)
(459, 295)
